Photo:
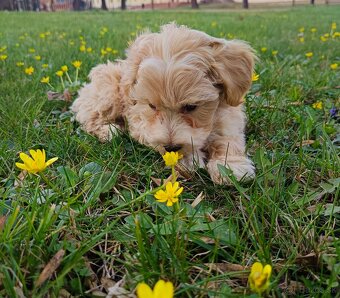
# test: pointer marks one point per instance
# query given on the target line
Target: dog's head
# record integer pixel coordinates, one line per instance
(174, 82)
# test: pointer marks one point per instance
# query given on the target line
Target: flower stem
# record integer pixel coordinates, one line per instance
(76, 79)
(173, 174)
(62, 83)
(68, 77)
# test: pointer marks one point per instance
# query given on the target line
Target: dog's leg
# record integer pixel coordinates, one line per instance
(99, 106)
(226, 145)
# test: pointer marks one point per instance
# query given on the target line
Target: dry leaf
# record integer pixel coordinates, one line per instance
(50, 268)
(306, 143)
(293, 288)
(198, 200)
(107, 283)
(310, 260)
(2, 221)
(21, 177)
(229, 267)
(65, 96)
(158, 181)
(117, 291)
(64, 294)
(19, 292)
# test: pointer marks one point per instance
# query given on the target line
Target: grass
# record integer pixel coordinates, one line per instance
(90, 222)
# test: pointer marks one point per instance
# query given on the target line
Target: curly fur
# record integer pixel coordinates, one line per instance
(177, 88)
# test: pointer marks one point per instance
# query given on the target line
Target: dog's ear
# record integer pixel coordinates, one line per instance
(232, 68)
(142, 47)
(138, 50)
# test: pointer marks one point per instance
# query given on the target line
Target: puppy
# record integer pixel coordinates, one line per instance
(178, 90)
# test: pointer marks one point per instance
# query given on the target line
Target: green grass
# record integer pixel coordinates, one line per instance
(95, 203)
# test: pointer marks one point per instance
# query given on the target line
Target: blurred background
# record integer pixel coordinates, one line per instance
(78, 5)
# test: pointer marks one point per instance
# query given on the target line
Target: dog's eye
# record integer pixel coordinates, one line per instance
(152, 106)
(188, 108)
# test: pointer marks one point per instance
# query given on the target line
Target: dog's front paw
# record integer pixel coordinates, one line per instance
(193, 161)
(241, 168)
(106, 132)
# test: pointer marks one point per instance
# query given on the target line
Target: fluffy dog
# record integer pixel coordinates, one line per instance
(178, 90)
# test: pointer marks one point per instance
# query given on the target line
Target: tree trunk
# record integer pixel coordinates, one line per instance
(194, 4)
(104, 7)
(312, 2)
(123, 5)
(245, 4)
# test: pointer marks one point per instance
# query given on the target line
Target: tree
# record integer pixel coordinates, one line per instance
(245, 4)
(123, 4)
(194, 4)
(104, 6)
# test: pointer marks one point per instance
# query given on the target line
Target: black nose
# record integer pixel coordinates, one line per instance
(174, 148)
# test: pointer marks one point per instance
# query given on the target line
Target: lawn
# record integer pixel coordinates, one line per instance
(89, 224)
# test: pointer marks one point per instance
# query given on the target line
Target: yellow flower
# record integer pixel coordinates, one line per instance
(302, 39)
(42, 35)
(313, 30)
(3, 57)
(31, 50)
(45, 80)
(20, 64)
(309, 54)
(108, 49)
(213, 24)
(3, 49)
(76, 63)
(59, 73)
(263, 49)
(114, 52)
(170, 195)
(302, 29)
(255, 77)
(274, 53)
(162, 289)
(64, 68)
(45, 65)
(89, 50)
(171, 158)
(103, 52)
(333, 26)
(36, 163)
(323, 38)
(29, 70)
(82, 48)
(38, 57)
(334, 66)
(259, 277)
(336, 34)
(317, 105)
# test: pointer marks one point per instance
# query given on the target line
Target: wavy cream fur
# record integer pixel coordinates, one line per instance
(163, 74)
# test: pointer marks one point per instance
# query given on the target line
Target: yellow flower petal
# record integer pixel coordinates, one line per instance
(144, 291)
(51, 161)
(257, 267)
(267, 270)
(178, 192)
(163, 289)
(25, 158)
(21, 166)
(161, 196)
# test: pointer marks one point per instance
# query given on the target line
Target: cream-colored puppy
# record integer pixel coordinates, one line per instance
(178, 90)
